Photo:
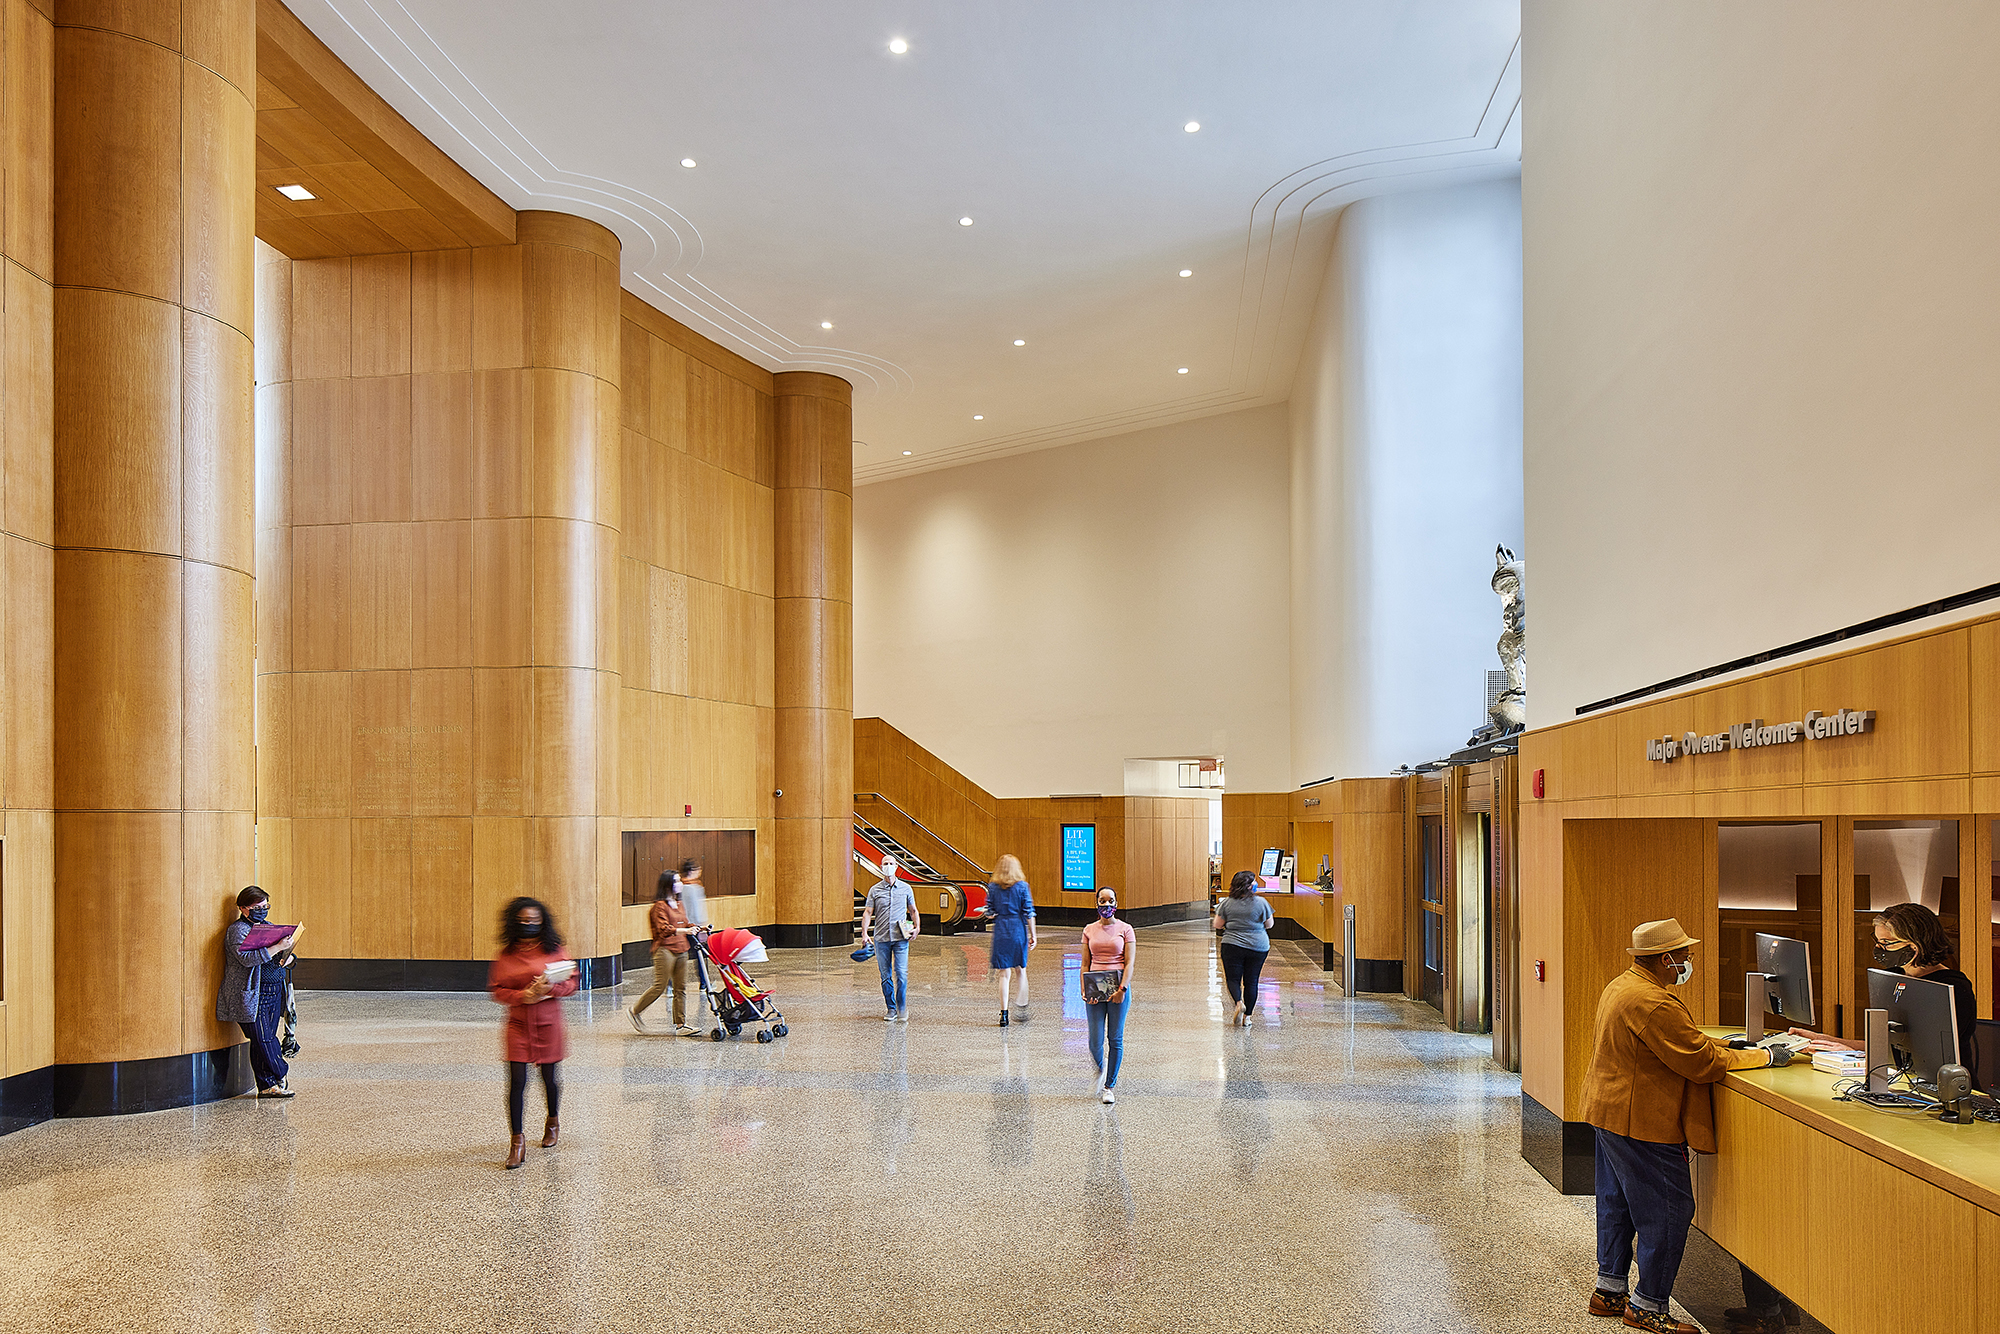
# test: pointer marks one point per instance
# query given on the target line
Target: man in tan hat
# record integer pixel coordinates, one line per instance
(1647, 1094)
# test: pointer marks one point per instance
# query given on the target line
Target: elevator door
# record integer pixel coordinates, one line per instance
(1431, 984)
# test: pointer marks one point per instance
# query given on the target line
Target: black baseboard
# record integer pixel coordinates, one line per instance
(1159, 915)
(1564, 1152)
(1378, 974)
(1284, 928)
(808, 935)
(432, 974)
(27, 1099)
(120, 1088)
(1331, 959)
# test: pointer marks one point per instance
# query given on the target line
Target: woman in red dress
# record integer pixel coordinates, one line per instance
(534, 1031)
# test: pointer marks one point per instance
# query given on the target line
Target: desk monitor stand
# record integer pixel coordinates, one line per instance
(1880, 1060)
(1756, 999)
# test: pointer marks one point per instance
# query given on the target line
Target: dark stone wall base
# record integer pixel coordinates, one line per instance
(27, 1099)
(1158, 915)
(807, 935)
(119, 1088)
(1377, 974)
(1564, 1152)
(432, 974)
(1287, 929)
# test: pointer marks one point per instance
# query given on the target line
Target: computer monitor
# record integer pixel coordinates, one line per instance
(1923, 1022)
(1782, 985)
(1269, 867)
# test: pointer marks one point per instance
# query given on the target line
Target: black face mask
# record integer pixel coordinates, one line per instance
(1895, 958)
(527, 930)
(259, 914)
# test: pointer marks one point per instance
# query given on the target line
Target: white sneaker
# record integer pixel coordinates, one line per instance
(1109, 1097)
(1097, 1085)
(889, 1018)
(637, 1022)
(687, 1031)
(902, 1016)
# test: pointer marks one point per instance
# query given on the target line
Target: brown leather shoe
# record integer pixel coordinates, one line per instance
(549, 1134)
(1607, 1303)
(517, 1152)
(1656, 1322)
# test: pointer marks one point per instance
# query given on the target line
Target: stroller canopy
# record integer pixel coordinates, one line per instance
(735, 945)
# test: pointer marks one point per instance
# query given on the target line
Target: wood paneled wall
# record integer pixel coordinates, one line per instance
(1358, 824)
(440, 474)
(1152, 850)
(1251, 822)
(27, 541)
(1591, 845)
(953, 807)
(152, 533)
(1166, 851)
(697, 578)
(814, 679)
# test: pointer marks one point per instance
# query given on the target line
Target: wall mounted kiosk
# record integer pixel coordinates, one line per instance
(1923, 1024)
(1269, 865)
(1782, 986)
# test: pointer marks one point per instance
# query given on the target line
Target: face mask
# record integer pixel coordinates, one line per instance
(527, 930)
(262, 913)
(1895, 958)
(1683, 971)
(1107, 910)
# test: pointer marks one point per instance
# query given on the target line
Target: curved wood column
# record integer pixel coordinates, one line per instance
(154, 182)
(439, 509)
(815, 656)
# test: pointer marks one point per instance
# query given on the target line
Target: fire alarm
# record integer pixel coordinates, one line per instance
(1538, 785)
(689, 810)
(1541, 971)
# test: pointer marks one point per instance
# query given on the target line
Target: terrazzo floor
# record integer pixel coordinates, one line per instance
(1339, 1166)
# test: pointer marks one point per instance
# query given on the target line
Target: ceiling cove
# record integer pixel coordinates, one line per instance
(1055, 315)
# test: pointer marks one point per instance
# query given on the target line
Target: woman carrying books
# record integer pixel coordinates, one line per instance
(252, 994)
(1109, 946)
(529, 977)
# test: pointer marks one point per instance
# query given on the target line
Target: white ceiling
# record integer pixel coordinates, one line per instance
(832, 174)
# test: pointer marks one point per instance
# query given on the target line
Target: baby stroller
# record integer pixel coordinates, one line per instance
(733, 994)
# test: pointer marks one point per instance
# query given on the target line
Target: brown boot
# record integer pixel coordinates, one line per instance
(1656, 1322)
(517, 1152)
(549, 1134)
(1607, 1303)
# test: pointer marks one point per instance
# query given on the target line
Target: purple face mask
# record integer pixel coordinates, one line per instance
(1107, 910)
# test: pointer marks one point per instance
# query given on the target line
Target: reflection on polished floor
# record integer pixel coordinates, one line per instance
(1341, 1165)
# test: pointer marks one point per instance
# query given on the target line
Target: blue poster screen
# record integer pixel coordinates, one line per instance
(1079, 856)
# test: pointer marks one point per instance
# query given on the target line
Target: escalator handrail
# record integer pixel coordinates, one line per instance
(921, 825)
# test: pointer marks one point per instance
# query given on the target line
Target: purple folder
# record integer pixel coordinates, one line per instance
(263, 937)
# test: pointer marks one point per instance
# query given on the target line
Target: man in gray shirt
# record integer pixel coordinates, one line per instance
(889, 920)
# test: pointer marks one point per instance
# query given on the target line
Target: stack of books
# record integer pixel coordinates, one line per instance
(1843, 1063)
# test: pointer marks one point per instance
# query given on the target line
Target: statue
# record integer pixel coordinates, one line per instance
(1509, 713)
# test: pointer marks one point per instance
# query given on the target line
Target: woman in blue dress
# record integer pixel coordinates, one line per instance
(1011, 908)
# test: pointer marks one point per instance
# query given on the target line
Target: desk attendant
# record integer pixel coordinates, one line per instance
(1647, 1092)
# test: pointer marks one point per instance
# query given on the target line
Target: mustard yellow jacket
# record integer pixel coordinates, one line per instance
(1650, 1067)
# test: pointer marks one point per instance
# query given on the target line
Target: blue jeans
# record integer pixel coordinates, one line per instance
(892, 960)
(1108, 1015)
(266, 1061)
(1643, 1192)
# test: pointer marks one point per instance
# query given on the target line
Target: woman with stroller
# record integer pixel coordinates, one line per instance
(1010, 907)
(519, 979)
(671, 929)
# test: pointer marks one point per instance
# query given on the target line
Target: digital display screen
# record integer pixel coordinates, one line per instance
(1079, 856)
(1271, 856)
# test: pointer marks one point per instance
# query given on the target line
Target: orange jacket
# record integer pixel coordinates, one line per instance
(1650, 1067)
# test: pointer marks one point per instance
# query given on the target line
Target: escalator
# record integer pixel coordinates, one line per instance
(947, 903)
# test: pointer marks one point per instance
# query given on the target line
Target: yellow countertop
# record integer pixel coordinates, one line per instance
(1964, 1160)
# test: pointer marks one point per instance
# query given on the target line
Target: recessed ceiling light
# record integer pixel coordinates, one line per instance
(826, 324)
(979, 416)
(898, 46)
(965, 222)
(687, 162)
(1187, 273)
(906, 453)
(1181, 371)
(1020, 342)
(1192, 126)
(296, 192)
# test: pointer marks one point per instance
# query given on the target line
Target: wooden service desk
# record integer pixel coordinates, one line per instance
(1870, 1220)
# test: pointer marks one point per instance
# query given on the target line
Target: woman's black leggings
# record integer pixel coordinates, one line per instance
(517, 1090)
(1241, 969)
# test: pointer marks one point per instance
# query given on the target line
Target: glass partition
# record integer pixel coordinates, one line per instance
(1768, 879)
(1901, 861)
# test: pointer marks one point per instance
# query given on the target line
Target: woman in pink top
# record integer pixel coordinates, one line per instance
(1108, 947)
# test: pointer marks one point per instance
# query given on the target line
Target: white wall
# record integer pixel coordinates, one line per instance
(1405, 473)
(1761, 332)
(1036, 620)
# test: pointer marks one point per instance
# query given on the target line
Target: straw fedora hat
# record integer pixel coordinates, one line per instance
(1659, 937)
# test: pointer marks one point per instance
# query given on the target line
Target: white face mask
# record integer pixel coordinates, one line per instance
(1683, 971)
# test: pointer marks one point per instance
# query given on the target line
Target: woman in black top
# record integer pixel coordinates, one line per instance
(1909, 937)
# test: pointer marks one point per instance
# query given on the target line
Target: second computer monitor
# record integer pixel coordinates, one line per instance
(1923, 1021)
(1787, 968)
